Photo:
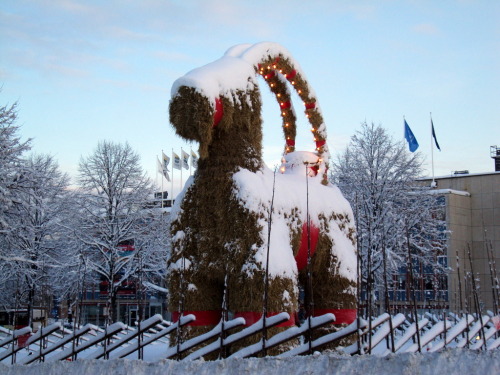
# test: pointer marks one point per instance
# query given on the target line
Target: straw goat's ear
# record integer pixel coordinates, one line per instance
(191, 114)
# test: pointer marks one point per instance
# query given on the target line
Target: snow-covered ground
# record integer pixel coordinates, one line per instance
(451, 361)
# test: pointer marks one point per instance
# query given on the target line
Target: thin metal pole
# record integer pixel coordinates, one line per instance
(172, 181)
(181, 306)
(432, 156)
(369, 286)
(386, 291)
(310, 304)
(182, 167)
(222, 349)
(412, 288)
(494, 290)
(358, 269)
(266, 276)
(476, 298)
(466, 297)
(162, 177)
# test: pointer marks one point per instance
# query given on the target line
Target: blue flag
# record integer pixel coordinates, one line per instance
(434, 136)
(412, 141)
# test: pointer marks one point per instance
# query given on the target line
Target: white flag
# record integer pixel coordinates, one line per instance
(194, 159)
(162, 169)
(177, 161)
(185, 159)
(159, 167)
(166, 161)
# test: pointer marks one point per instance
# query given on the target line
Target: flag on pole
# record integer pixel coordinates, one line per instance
(177, 161)
(161, 168)
(434, 136)
(166, 161)
(185, 159)
(412, 141)
(194, 159)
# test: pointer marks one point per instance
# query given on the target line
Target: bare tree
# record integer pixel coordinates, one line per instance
(114, 192)
(378, 177)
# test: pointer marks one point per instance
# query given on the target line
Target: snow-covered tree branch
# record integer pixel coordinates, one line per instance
(378, 177)
(32, 245)
(114, 192)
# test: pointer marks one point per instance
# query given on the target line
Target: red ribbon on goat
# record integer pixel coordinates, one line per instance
(203, 318)
(301, 257)
(320, 143)
(291, 75)
(252, 317)
(219, 112)
(285, 105)
(342, 316)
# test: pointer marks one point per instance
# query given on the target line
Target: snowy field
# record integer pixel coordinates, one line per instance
(452, 361)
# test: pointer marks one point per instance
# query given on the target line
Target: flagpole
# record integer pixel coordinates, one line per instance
(181, 168)
(156, 178)
(172, 197)
(191, 164)
(433, 183)
(162, 166)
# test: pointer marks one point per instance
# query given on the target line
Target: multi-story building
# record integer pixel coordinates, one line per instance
(472, 214)
(131, 299)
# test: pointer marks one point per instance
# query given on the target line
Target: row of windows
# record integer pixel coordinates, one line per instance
(419, 267)
(407, 296)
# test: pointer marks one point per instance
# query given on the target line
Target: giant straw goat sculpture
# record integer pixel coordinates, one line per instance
(221, 237)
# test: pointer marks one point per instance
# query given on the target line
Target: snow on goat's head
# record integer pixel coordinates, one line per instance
(206, 98)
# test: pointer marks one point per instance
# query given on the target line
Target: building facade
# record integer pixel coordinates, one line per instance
(472, 203)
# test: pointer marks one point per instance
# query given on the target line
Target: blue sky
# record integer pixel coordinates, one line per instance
(83, 71)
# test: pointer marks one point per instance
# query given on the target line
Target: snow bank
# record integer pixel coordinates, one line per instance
(456, 361)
